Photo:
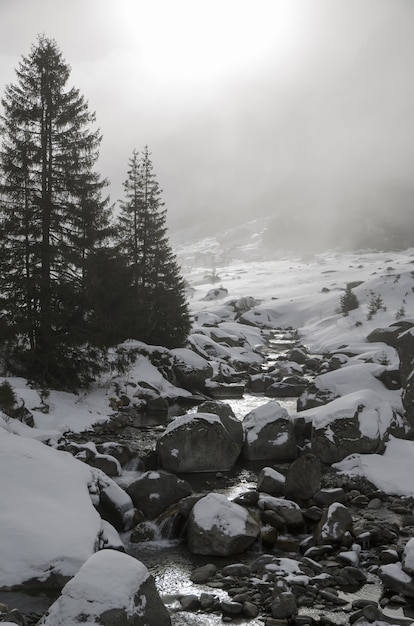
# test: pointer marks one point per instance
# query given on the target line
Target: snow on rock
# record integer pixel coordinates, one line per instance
(269, 434)
(359, 422)
(110, 588)
(335, 522)
(391, 472)
(355, 376)
(191, 369)
(198, 442)
(408, 556)
(219, 527)
(48, 524)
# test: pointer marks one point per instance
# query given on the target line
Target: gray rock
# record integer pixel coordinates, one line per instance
(199, 442)
(269, 434)
(153, 492)
(112, 589)
(271, 481)
(336, 521)
(303, 478)
(219, 527)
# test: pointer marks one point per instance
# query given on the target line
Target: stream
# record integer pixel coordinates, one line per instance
(169, 561)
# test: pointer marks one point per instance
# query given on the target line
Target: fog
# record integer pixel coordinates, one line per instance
(298, 109)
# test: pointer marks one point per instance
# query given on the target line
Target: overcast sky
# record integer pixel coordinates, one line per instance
(248, 106)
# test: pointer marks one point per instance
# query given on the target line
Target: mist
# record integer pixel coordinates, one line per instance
(299, 110)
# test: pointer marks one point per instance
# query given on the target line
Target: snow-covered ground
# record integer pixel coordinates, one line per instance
(45, 492)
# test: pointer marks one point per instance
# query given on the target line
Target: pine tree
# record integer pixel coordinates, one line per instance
(53, 215)
(158, 312)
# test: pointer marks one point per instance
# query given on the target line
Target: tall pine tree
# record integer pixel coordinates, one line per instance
(53, 215)
(158, 312)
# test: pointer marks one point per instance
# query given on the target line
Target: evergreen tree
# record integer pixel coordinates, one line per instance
(158, 313)
(53, 215)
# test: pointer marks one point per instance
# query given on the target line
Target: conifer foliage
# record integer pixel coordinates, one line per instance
(158, 310)
(52, 213)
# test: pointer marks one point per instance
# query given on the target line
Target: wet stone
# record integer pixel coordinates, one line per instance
(231, 608)
(190, 603)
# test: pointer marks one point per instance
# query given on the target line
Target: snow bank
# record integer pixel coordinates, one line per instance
(47, 520)
(392, 472)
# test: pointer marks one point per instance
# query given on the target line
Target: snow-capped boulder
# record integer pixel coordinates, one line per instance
(198, 442)
(226, 414)
(153, 492)
(112, 502)
(269, 434)
(207, 348)
(260, 317)
(218, 527)
(190, 369)
(49, 524)
(335, 522)
(359, 422)
(271, 481)
(110, 588)
(408, 557)
(216, 294)
(89, 454)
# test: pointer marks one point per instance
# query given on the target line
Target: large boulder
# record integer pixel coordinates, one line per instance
(153, 492)
(303, 478)
(218, 527)
(226, 414)
(198, 442)
(269, 434)
(359, 422)
(190, 369)
(109, 589)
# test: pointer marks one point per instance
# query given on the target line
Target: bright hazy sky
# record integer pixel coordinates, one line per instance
(248, 106)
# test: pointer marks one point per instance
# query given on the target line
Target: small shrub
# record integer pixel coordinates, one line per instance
(7, 397)
(348, 300)
(400, 313)
(375, 304)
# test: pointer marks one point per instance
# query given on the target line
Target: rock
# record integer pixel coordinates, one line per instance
(225, 413)
(111, 589)
(105, 462)
(269, 434)
(396, 579)
(190, 369)
(118, 450)
(289, 387)
(203, 574)
(298, 354)
(283, 602)
(219, 527)
(153, 492)
(359, 422)
(288, 510)
(408, 557)
(14, 617)
(114, 504)
(336, 521)
(271, 481)
(231, 608)
(303, 478)
(250, 610)
(325, 497)
(190, 602)
(198, 442)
